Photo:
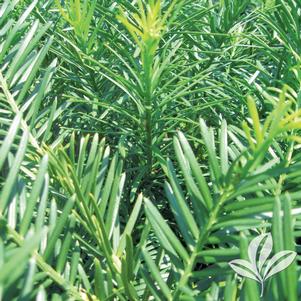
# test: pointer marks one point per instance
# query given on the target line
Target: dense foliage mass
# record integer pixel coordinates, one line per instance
(144, 144)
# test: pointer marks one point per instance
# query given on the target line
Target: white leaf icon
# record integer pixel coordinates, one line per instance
(257, 272)
(284, 259)
(265, 251)
(237, 265)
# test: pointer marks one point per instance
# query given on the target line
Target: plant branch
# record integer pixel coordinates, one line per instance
(199, 246)
(55, 276)
(13, 105)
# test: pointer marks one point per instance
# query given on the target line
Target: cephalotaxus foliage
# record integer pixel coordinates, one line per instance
(147, 29)
(241, 179)
(133, 163)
